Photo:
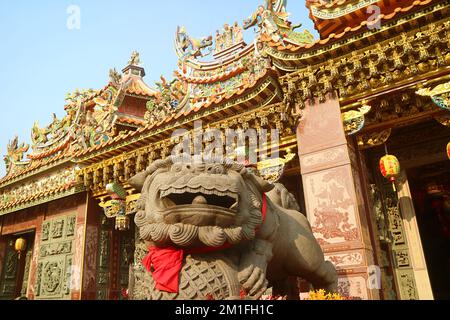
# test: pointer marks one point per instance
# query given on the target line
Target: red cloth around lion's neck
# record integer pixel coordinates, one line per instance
(165, 264)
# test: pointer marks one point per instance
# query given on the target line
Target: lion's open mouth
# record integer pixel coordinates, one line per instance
(199, 206)
(199, 197)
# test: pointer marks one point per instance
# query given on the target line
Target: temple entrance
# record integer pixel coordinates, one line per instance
(115, 255)
(430, 188)
(16, 267)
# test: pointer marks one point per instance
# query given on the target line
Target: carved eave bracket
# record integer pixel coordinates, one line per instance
(120, 206)
(373, 139)
(440, 95)
(118, 202)
(354, 120)
(272, 169)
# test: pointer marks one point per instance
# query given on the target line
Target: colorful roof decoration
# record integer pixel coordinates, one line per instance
(91, 119)
(338, 16)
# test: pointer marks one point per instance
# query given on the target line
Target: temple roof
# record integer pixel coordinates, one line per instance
(338, 17)
(91, 119)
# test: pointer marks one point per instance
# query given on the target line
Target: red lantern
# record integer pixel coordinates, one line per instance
(390, 168)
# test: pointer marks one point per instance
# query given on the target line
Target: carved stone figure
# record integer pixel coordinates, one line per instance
(238, 35)
(135, 59)
(190, 47)
(233, 232)
(115, 77)
(15, 153)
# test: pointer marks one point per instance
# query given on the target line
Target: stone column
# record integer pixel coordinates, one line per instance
(89, 283)
(334, 207)
(416, 259)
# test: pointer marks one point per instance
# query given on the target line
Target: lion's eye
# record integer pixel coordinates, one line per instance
(215, 169)
(177, 168)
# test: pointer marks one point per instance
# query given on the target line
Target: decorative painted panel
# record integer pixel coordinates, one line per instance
(54, 272)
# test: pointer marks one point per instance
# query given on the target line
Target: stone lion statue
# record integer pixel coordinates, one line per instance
(234, 233)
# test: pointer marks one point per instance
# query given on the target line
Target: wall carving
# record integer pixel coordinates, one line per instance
(54, 272)
(103, 254)
(26, 272)
(346, 259)
(61, 180)
(386, 63)
(353, 287)
(399, 248)
(333, 217)
(8, 280)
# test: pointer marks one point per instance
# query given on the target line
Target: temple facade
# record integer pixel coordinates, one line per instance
(362, 117)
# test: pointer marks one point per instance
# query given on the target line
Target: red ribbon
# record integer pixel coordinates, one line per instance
(165, 264)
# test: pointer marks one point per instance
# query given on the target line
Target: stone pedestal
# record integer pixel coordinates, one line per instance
(333, 204)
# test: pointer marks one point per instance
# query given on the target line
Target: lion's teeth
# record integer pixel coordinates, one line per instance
(168, 203)
(234, 206)
(199, 200)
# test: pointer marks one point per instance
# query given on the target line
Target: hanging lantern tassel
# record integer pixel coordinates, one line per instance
(390, 168)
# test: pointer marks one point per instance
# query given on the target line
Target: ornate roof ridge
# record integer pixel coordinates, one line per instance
(96, 109)
(173, 117)
(329, 4)
(347, 31)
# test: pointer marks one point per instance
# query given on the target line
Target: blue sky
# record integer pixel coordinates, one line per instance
(41, 59)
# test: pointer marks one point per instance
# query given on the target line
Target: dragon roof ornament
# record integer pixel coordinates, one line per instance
(271, 18)
(15, 155)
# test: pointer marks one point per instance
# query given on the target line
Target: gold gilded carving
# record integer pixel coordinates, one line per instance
(373, 139)
(357, 72)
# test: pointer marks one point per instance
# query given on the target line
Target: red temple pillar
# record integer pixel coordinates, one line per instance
(334, 206)
(2, 246)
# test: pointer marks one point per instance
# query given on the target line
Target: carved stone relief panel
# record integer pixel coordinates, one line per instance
(355, 286)
(55, 270)
(28, 258)
(8, 278)
(57, 228)
(333, 212)
(103, 266)
(45, 231)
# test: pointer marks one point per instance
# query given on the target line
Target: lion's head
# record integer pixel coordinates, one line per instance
(190, 204)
